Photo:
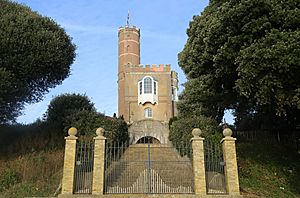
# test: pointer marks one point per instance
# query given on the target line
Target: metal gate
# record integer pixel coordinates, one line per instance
(84, 162)
(214, 168)
(148, 167)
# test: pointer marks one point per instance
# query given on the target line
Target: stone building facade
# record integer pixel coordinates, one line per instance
(144, 91)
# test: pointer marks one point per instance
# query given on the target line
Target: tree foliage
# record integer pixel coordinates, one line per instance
(181, 129)
(244, 55)
(76, 110)
(65, 105)
(35, 55)
(87, 122)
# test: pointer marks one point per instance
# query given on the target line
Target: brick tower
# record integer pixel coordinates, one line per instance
(129, 54)
(144, 92)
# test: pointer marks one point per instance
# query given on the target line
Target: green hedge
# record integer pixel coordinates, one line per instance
(181, 129)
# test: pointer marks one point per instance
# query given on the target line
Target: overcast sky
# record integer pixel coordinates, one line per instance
(93, 25)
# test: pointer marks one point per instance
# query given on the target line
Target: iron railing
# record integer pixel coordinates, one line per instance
(147, 167)
(84, 161)
(214, 168)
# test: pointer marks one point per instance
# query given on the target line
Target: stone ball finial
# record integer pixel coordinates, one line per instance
(227, 132)
(100, 132)
(196, 132)
(72, 131)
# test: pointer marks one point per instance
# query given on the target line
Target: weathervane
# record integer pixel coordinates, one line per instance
(127, 22)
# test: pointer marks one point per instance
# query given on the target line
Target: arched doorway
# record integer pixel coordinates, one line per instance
(148, 140)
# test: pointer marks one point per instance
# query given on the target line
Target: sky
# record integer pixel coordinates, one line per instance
(93, 25)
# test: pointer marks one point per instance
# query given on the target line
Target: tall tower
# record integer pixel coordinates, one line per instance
(128, 54)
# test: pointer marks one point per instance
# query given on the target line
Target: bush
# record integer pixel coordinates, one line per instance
(181, 129)
(19, 138)
(65, 105)
(87, 122)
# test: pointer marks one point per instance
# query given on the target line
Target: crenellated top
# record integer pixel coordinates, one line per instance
(128, 28)
(148, 68)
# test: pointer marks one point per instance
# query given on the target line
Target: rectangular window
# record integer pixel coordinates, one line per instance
(154, 87)
(148, 113)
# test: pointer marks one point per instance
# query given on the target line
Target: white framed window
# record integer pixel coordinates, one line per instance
(148, 112)
(148, 85)
(147, 88)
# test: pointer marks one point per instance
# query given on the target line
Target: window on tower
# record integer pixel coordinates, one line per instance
(148, 85)
(148, 112)
(147, 90)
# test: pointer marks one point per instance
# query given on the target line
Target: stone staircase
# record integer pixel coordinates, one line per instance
(165, 167)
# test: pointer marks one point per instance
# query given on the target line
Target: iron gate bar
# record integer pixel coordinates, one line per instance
(214, 168)
(146, 168)
(84, 162)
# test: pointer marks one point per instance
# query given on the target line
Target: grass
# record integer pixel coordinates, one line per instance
(268, 170)
(32, 174)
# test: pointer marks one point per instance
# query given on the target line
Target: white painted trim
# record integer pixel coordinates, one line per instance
(148, 97)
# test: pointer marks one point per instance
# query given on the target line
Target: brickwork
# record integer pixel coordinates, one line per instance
(231, 169)
(130, 71)
(151, 128)
(198, 163)
(69, 164)
(98, 172)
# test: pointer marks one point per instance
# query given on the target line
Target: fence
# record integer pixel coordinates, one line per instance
(214, 168)
(84, 161)
(198, 167)
(287, 138)
(147, 168)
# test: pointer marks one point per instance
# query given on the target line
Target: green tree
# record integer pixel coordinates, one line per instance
(87, 122)
(35, 55)
(244, 55)
(181, 129)
(64, 106)
(76, 110)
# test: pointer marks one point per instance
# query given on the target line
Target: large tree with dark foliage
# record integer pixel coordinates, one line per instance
(244, 55)
(35, 55)
(76, 110)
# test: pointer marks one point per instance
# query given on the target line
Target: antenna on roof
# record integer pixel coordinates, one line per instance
(127, 22)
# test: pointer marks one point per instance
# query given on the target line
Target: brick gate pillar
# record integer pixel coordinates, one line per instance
(99, 157)
(69, 162)
(198, 162)
(231, 170)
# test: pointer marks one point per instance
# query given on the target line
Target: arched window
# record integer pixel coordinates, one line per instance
(148, 85)
(148, 112)
(147, 89)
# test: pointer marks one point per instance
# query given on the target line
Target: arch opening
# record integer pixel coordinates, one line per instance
(148, 140)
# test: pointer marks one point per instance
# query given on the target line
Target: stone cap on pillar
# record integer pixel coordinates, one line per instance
(100, 134)
(197, 134)
(72, 134)
(227, 132)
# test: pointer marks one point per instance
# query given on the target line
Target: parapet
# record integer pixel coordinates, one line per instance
(149, 68)
(130, 28)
